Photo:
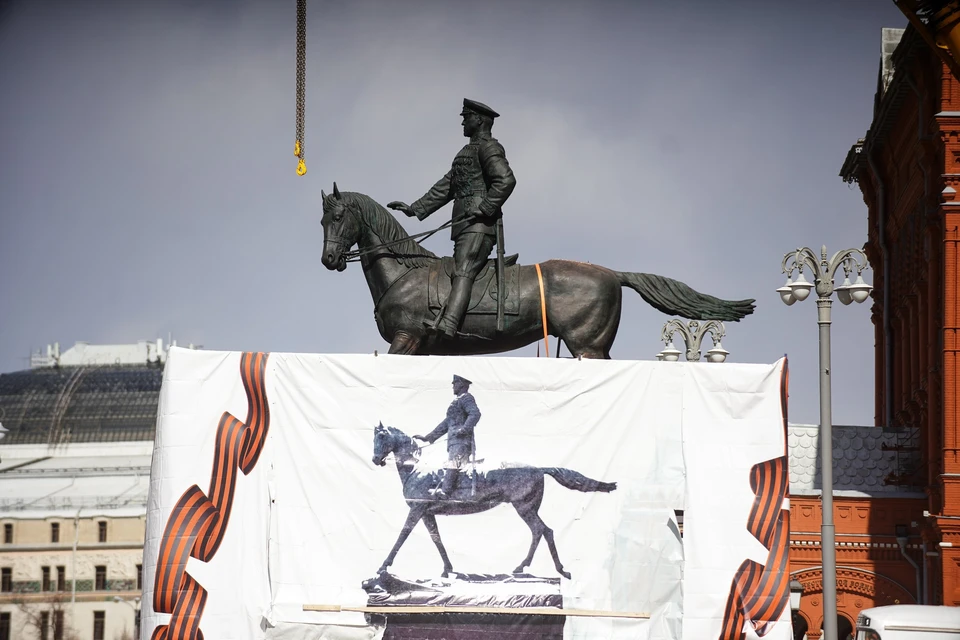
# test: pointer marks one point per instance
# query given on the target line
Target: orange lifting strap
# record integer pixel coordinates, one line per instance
(543, 312)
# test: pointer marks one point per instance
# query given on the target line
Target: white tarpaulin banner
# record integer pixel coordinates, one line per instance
(533, 486)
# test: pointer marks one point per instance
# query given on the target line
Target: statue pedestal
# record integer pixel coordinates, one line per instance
(473, 626)
(465, 590)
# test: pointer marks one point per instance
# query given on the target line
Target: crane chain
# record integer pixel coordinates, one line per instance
(299, 149)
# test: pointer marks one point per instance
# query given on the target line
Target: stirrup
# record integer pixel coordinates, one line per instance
(433, 328)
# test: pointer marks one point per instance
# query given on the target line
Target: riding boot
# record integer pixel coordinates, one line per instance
(449, 481)
(456, 306)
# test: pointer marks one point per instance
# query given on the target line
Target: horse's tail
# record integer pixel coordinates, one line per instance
(677, 299)
(577, 481)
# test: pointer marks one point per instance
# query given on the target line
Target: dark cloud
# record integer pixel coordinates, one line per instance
(148, 179)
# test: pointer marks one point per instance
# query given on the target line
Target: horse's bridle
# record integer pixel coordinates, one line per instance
(417, 449)
(355, 255)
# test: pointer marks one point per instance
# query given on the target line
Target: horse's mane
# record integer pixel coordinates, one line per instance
(408, 251)
(406, 442)
(396, 432)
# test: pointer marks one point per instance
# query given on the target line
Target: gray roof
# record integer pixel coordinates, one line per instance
(100, 403)
(867, 461)
(87, 479)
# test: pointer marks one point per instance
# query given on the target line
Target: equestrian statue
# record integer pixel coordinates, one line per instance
(470, 304)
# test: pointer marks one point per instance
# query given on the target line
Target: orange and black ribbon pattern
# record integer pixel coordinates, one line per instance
(759, 593)
(199, 520)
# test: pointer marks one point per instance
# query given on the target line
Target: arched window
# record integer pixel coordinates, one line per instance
(844, 627)
(799, 626)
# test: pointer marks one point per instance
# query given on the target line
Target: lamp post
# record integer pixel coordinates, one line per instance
(136, 613)
(823, 271)
(693, 334)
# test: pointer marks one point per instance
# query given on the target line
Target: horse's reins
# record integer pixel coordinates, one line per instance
(418, 448)
(356, 254)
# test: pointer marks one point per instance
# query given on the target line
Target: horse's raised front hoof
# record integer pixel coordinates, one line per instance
(445, 574)
(565, 574)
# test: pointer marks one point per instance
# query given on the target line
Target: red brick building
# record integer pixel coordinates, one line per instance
(897, 505)
(870, 503)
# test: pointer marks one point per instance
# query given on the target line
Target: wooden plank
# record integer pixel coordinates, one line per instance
(519, 611)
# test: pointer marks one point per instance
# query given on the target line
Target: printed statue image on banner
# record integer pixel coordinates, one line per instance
(352, 496)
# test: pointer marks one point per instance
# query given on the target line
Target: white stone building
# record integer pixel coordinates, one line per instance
(71, 540)
(77, 441)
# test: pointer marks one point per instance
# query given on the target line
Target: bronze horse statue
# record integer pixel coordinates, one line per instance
(582, 300)
(520, 486)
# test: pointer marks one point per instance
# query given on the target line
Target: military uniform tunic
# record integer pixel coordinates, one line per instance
(479, 182)
(462, 417)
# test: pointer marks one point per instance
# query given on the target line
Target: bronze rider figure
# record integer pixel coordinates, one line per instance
(479, 182)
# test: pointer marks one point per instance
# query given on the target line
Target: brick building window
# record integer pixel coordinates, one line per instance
(4, 626)
(99, 620)
(102, 531)
(58, 625)
(100, 583)
(139, 577)
(54, 532)
(45, 579)
(8, 533)
(6, 579)
(44, 625)
(61, 578)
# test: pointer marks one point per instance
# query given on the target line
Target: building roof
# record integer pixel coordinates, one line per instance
(890, 39)
(84, 480)
(55, 405)
(867, 461)
(897, 48)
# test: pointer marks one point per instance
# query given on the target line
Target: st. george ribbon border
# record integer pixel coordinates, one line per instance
(198, 522)
(759, 593)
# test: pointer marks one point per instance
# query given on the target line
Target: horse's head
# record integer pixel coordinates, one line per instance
(387, 440)
(341, 229)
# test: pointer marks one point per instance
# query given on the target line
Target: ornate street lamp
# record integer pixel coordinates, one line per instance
(823, 271)
(692, 334)
(796, 592)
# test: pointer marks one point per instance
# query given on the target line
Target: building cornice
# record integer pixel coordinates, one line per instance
(8, 549)
(887, 107)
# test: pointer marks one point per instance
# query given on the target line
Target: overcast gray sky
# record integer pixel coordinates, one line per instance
(148, 184)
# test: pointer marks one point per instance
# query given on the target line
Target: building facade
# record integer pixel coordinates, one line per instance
(74, 475)
(880, 554)
(907, 167)
(71, 540)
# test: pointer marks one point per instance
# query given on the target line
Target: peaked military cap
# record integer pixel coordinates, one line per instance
(478, 107)
(463, 380)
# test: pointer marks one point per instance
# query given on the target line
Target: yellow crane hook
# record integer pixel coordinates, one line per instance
(301, 164)
(298, 149)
